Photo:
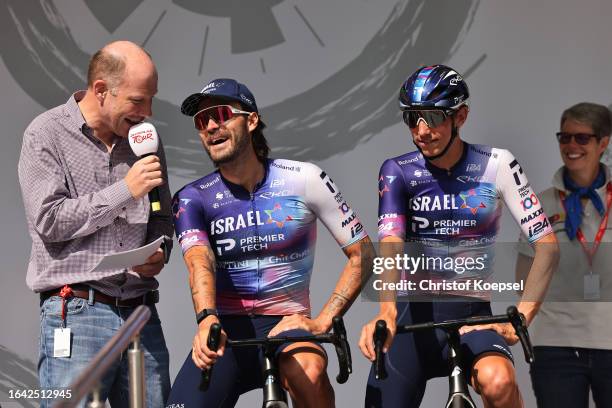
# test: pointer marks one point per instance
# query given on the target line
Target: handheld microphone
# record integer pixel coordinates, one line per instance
(144, 141)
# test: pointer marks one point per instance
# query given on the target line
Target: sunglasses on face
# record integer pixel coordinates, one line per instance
(431, 117)
(580, 138)
(220, 114)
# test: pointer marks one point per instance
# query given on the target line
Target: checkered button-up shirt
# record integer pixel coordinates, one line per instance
(78, 206)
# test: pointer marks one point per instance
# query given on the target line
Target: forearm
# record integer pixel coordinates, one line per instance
(540, 274)
(347, 289)
(200, 264)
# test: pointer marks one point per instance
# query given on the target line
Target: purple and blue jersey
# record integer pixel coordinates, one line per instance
(456, 212)
(264, 241)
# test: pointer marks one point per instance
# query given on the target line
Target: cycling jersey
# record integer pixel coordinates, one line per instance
(264, 241)
(450, 213)
(456, 213)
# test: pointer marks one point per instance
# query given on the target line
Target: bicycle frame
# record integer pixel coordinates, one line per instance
(459, 395)
(274, 395)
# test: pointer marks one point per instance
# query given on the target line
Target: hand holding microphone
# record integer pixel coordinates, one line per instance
(145, 175)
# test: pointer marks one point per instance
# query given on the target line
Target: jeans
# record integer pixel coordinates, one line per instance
(92, 325)
(562, 376)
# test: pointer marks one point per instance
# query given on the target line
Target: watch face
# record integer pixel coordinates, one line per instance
(326, 74)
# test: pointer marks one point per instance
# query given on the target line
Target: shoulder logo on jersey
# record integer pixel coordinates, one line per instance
(382, 186)
(177, 208)
(408, 161)
(532, 216)
(210, 183)
(488, 154)
(344, 208)
(328, 182)
(529, 202)
(471, 201)
(516, 172)
(290, 168)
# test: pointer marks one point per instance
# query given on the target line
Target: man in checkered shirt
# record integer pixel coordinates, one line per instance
(85, 196)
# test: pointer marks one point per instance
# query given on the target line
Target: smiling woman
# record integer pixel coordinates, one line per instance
(572, 335)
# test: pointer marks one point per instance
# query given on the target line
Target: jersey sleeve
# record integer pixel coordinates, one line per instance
(392, 201)
(189, 221)
(521, 200)
(324, 198)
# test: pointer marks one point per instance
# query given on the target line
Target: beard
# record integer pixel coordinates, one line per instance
(241, 145)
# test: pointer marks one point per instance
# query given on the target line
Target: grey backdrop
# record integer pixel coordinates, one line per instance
(326, 75)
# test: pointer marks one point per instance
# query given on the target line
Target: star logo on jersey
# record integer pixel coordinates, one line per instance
(177, 209)
(382, 186)
(275, 216)
(471, 201)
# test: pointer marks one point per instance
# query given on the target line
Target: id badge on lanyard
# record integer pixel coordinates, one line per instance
(592, 282)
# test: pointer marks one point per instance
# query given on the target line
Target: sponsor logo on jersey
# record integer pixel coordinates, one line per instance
(434, 203)
(356, 230)
(391, 179)
(224, 245)
(537, 228)
(294, 256)
(488, 154)
(516, 173)
(413, 183)
(338, 197)
(422, 173)
(408, 161)
(219, 196)
(349, 220)
(277, 183)
(472, 167)
(386, 216)
(524, 190)
(259, 242)
(470, 242)
(328, 182)
(532, 216)
(290, 168)
(419, 223)
(387, 226)
(235, 223)
(471, 179)
(229, 265)
(382, 186)
(189, 232)
(268, 195)
(210, 183)
(344, 208)
(529, 202)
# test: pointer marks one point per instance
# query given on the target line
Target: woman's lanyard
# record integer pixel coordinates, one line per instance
(590, 252)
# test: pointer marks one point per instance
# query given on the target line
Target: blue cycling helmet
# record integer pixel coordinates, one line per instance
(434, 87)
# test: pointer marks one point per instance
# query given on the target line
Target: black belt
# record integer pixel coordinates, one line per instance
(82, 291)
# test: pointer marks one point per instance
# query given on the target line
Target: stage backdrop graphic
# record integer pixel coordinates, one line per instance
(326, 76)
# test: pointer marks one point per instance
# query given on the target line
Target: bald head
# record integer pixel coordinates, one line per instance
(112, 61)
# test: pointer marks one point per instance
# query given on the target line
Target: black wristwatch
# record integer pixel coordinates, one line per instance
(204, 313)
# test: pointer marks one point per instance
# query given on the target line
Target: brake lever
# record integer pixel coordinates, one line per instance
(214, 338)
(343, 350)
(518, 322)
(380, 336)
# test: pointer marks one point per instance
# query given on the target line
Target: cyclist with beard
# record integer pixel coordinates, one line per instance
(248, 233)
(447, 197)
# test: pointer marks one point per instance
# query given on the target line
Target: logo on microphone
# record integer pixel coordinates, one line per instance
(140, 137)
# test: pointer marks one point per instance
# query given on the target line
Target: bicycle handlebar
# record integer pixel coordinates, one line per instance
(338, 338)
(214, 338)
(512, 316)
